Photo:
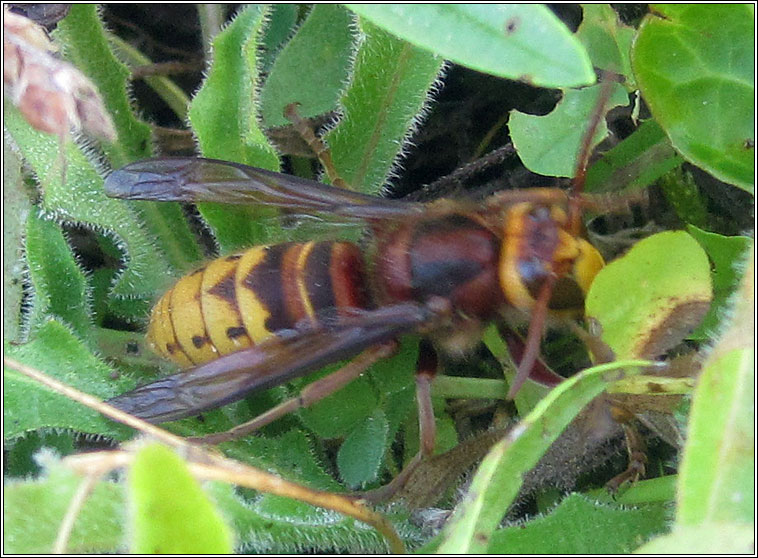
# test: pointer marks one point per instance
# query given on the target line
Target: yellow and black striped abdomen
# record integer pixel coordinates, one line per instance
(237, 301)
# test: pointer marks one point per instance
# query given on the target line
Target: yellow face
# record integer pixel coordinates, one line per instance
(586, 265)
(535, 245)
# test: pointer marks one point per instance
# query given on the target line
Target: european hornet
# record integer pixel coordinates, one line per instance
(444, 269)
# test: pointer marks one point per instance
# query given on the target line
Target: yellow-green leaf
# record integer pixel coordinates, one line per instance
(170, 513)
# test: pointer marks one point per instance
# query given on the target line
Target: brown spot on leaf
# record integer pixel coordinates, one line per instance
(511, 25)
(681, 320)
(654, 387)
(658, 14)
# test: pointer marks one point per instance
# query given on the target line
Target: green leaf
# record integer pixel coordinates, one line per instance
(362, 451)
(275, 525)
(312, 68)
(57, 352)
(216, 112)
(60, 287)
(649, 299)
(21, 457)
(636, 162)
(294, 454)
(459, 387)
(524, 42)
(726, 253)
(223, 115)
(396, 374)
(550, 144)
(166, 222)
(446, 436)
(607, 40)
(16, 208)
(708, 538)
(580, 526)
(271, 505)
(81, 199)
(499, 477)
(695, 65)
(648, 491)
(282, 19)
(170, 513)
(717, 481)
(389, 88)
(530, 393)
(86, 46)
(682, 192)
(716, 476)
(33, 511)
(339, 413)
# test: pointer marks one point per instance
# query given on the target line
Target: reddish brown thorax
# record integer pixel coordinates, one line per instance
(451, 256)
